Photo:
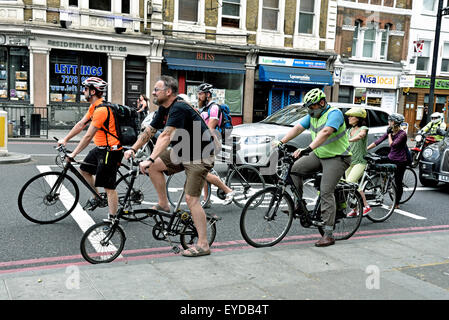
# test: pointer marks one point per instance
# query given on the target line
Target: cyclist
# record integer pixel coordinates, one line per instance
(329, 151)
(192, 152)
(434, 126)
(102, 162)
(210, 112)
(357, 137)
(397, 139)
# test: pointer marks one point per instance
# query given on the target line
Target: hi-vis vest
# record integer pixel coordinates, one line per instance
(336, 145)
(432, 128)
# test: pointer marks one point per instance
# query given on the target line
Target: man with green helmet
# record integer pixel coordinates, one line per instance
(328, 152)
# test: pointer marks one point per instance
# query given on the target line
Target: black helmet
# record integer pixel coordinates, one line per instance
(205, 87)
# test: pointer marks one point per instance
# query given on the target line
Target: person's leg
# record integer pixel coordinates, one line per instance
(90, 166)
(303, 166)
(157, 177)
(112, 201)
(398, 177)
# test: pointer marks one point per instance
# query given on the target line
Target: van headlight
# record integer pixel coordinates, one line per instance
(258, 139)
(430, 153)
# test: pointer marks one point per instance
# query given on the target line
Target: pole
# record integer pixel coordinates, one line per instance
(436, 44)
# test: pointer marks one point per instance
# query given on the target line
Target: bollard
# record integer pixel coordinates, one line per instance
(22, 126)
(3, 133)
(35, 125)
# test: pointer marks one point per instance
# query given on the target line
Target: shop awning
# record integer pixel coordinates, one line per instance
(204, 65)
(295, 75)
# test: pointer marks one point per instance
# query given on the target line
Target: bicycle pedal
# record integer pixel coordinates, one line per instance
(176, 249)
(318, 223)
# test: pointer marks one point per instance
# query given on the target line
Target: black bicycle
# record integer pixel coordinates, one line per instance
(267, 223)
(51, 196)
(103, 242)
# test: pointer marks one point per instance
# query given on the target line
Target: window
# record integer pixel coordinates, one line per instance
(369, 42)
(345, 94)
(306, 15)
(428, 5)
(230, 13)
(188, 10)
(73, 3)
(445, 58)
(360, 95)
(270, 12)
(422, 63)
(377, 118)
(14, 68)
(385, 34)
(355, 38)
(104, 5)
(125, 6)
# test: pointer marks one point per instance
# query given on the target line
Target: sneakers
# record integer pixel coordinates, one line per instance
(229, 198)
(110, 219)
(353, 212)
(206, 205)
(92, 204)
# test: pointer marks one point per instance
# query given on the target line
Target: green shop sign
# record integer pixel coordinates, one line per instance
(425, 83)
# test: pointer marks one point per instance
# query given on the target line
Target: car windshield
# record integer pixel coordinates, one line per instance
(287, 116)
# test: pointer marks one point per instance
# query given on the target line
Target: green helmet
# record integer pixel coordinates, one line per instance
(313, 96)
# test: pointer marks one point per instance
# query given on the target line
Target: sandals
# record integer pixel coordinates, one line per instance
(195, 251)
(159, 208)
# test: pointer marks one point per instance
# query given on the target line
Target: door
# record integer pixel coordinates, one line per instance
(279, 98)
(410, 110)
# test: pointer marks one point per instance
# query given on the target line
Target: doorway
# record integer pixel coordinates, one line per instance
(410, 111)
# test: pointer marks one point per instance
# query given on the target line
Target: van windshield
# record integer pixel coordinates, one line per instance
(287, 116)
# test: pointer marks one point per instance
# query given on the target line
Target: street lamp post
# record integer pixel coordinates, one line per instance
(440, 13)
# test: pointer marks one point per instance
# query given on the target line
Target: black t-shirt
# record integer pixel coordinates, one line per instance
(192, 140)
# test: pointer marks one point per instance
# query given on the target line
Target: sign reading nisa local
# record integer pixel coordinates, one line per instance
(374, 79)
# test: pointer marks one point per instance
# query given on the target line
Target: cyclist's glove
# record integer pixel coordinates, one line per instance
(276, 143)
(304, 152)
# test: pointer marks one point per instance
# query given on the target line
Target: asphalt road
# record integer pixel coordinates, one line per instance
(27, 245)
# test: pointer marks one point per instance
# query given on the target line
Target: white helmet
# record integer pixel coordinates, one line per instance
(436, 116)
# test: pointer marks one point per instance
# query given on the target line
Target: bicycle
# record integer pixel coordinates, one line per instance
(409, 184)
(266, 224)
(51, 196)
(98, 243)
(378, 185)
(244, 180)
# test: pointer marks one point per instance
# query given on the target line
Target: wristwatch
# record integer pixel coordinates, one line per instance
(151, 159)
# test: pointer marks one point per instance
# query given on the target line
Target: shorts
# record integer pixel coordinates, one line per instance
(196, 172)
(103, 165)
(355, 172)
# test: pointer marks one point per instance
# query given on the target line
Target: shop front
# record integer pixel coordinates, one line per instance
(284, 81)
(225, 72)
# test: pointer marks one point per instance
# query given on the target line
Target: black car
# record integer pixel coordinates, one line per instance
(434, 164)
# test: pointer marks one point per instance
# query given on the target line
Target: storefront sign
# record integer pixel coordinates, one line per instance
(369, 80)
(406, 81)
(425, 83)
(287, 62)
(86, 46)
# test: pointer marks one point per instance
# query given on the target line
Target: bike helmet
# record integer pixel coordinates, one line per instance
(95, 82)
(356, 112)
(396, 118)
(436, 116)
(205, 87)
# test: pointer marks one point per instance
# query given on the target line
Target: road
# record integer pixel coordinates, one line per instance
(28, 246)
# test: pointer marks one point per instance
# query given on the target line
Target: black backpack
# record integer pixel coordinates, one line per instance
(126, 123)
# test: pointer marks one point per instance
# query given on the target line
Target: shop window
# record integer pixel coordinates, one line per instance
(345, 94)
(306, 16)
(360, 95)
(188, 10)
(270, 13)
(445, 58)
(230, 12)
(125, 6)
(104, 5)
(14, 74)
(422, 62)
(68, 69)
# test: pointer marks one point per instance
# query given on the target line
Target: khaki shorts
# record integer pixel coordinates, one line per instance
(196, 172)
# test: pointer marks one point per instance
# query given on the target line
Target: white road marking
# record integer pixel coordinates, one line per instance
(408, 214)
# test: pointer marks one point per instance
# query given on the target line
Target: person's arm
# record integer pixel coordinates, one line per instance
(77, 128)
(143, 138)
(399, 140)
(162, 143)
(85, 140)
(362, 134)
(378, 141)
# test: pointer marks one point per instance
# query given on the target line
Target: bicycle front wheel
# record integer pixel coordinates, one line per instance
(245, 181)
(267, 223)
(409, 183)
(175, 187)
(102, 243)
(381, 201)
(48, 197)
(188, 234)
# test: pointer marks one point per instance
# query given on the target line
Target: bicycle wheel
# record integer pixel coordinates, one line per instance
(175, 186)
(246, 182)
(102, 243)
(143, 195)
(409, 183)
(48, 197)
(347, 224)
(188, 234)
(381, 200)
(266, 224)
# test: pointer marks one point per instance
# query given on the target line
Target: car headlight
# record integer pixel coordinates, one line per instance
(258, 139)
(418, 138)
(430, 153)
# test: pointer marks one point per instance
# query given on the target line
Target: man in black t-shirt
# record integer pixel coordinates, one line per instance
(192, 151)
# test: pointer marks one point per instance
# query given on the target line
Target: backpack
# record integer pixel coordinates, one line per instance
(126, 123)
(226, 119)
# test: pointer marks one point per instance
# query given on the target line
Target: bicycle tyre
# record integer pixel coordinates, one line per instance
(383, 203)
(345, 227)
(143, 195)
(409, 184)
(256, 229)
(188, 234)
(91, 245)
(254, 179)
(63, 205)
(175, 185)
